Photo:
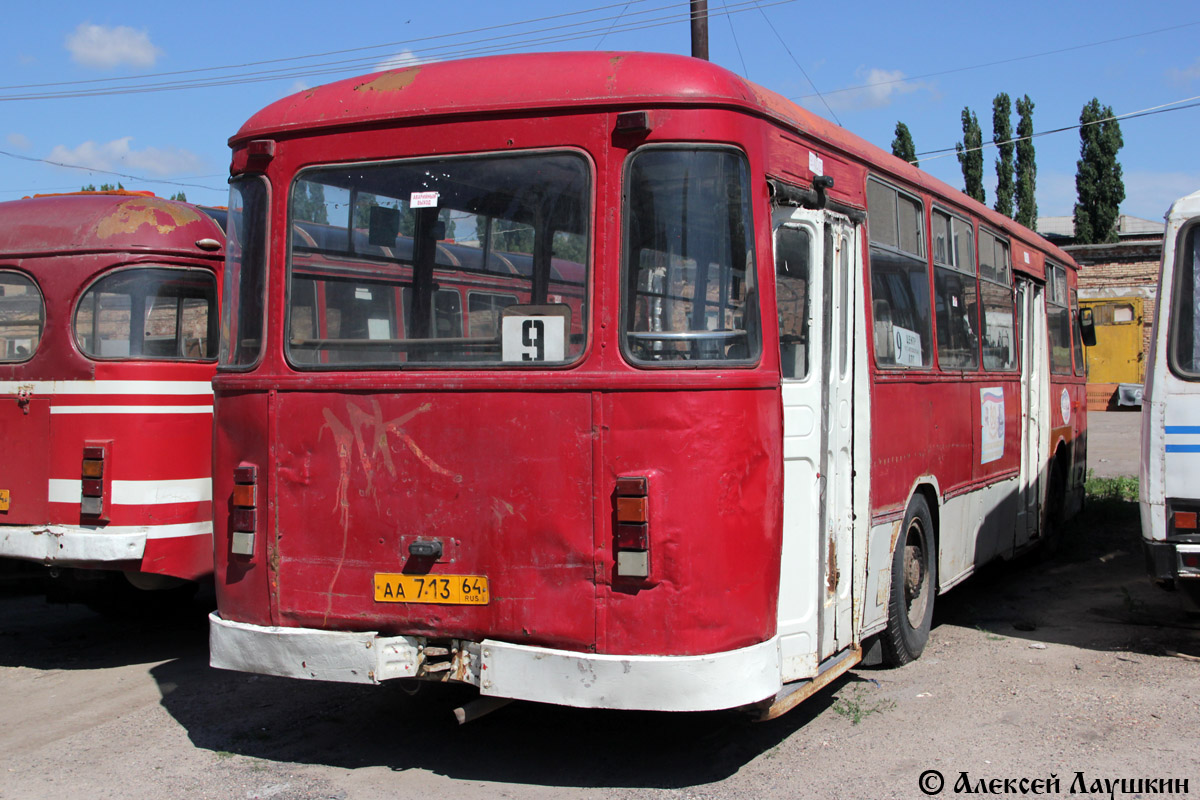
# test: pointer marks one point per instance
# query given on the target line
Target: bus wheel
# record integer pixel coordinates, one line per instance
(914, 585)
(1056, 500)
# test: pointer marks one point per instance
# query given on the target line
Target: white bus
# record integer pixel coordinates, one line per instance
(1170, 471)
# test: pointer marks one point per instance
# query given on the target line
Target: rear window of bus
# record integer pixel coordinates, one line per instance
(471, 262)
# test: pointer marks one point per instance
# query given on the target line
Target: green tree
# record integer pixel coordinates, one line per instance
(104, 187)
(180, 196)
(1098, 182)
(1026, 166)
(308, 202)
(1002, 136)
(970, 155)
(902, 145)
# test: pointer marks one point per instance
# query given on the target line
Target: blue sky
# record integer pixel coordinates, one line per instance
(873, 63)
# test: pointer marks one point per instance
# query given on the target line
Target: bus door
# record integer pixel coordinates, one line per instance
(815, 256)
(1035, 408)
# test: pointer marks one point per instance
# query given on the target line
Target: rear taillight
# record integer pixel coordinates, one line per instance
(632, 537)
(91, 501)
(244, 510)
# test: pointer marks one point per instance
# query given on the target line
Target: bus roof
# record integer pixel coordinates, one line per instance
(96, 222)
(536, 83)
(1185, 207)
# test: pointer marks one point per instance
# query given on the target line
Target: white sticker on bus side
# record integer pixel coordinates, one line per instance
(991, 423)
(533, 339)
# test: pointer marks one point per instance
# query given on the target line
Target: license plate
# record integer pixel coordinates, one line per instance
(4, 499)
(455, 590)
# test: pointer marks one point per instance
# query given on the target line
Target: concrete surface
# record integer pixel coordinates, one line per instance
(1114, 443)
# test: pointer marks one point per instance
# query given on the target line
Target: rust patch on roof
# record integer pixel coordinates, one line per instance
(132, 214)
(393, 81)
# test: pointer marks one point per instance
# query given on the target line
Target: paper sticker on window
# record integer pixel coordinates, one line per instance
(423, 200)
(815, 165)
(533, 339)
(991, 424)
(379, 329)
(908, 346)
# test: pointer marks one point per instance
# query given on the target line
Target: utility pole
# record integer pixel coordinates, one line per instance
(700, 29)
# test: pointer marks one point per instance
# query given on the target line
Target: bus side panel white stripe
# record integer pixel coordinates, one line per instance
(131, 409)
(138, 493)
(108, 387)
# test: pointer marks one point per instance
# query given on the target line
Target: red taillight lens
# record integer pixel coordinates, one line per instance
(632, 534)
(91, 501)
(243, 518)
(1185, 520)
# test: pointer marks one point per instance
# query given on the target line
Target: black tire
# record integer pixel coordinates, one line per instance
(1056, 506)
(914, 586)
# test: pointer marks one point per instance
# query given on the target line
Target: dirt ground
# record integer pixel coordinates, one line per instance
(1039, 668)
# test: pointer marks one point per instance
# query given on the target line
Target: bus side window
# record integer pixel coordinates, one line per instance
(792, 265)
(899, 277)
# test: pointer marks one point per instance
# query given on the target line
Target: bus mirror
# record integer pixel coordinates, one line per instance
(1087, 327)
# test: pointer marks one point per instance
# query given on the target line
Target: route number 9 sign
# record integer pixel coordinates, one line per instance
(533, 339)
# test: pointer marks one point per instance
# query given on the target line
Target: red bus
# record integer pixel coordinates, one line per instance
(108, 344)
(614, 380)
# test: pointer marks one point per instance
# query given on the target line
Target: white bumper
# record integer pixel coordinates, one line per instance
(67, 544)
(562, 677)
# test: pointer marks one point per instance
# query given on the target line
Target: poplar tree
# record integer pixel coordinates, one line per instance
(1002, 136)
(1098, 180)
(1026, 166)
(902, 145)
(970, 155)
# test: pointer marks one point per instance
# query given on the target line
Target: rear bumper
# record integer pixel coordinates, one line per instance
(95, 547)
(500, 669)
(69, 545)
(1165, 560)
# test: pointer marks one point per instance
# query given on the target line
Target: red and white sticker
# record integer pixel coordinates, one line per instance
(423, 200)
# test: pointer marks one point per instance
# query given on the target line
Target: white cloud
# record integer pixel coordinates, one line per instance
(877, 88)
(19, 141)
(105, 47)
(118, 156)
(299, 86)
(405, 58)
(1185, 75)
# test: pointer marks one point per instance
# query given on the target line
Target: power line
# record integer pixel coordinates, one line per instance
(1192, 102)
(386, 45)
(999, 62)
(111, 172)
(802, 72)
(462, 49)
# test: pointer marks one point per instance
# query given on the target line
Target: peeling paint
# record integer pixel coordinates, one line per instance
(136, 212)
(394, 81)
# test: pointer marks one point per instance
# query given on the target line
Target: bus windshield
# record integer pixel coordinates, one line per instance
(1185, 322)
(470, 260)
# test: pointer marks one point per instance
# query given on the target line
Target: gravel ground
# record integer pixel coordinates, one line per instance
(1073, 664)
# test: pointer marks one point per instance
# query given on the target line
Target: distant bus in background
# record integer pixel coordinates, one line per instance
(108, 343)
(1170, 471)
